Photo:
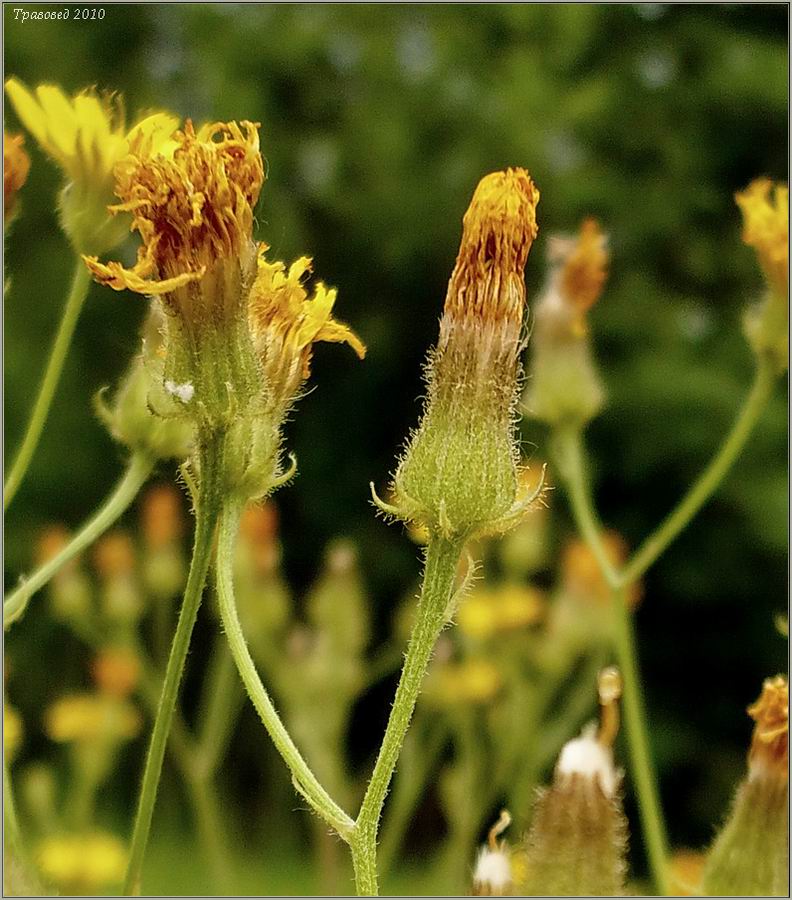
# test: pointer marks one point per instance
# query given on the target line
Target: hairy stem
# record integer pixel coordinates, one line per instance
(81, 281)
(305, 782)
(135, 476)
(206, 521)
(442, 558)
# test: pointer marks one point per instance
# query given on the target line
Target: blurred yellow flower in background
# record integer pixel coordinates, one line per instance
(765, 209)
(16, 165)
(82, 863)
(489, 611)
(12, 731)
(91, 717)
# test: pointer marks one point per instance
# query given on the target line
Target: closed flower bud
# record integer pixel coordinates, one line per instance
(765, 209)
(564, 387)
(139, 416)
(750, 856)
(578, 838)
(459, 472)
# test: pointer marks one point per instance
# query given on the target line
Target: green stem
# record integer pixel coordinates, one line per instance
(222, 704)
(81, 281)
(135, 476)
(641, 765)
(755, 403)
(305, 782)
(568, 446)
(206, 521)
(567, 449)
(442, 558)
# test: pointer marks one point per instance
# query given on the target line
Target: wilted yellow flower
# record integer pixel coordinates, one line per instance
(770, 743)
(16, 165)
(585, 270)
(12, 731)
(459, 472)
(82, 863)
(86, 136)
(765, 209)
(91, 717)
(286, 323)
(192, 205)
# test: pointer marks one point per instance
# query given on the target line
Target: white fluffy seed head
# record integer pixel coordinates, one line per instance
(492, 876)
(586, 756)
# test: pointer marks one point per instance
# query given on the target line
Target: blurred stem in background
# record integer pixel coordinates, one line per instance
(208, 506)
(81, 281)
(569, 451)
(138, 470)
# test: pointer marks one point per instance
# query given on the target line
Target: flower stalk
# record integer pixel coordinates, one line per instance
(78, 292)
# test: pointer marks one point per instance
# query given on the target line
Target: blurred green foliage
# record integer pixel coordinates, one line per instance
(376, 124)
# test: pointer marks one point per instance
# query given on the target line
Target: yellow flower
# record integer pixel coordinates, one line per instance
(286, 323)
(582, 576)
(585, 271)
(16, 165)
(491, 611)
(770, 743)
(765, 209)
(91, 717)
(86, 136)
(474, 680)
(12, 731)
(192, 205)
(498, 230)
(82, 863)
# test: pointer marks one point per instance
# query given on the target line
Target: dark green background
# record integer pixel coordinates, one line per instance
(376, 124)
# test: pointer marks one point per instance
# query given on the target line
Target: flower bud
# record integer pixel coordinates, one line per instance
(750, 856)
(564, 386)
(765, 209)
(16, 165)
(577, 842)
(459, 472)
(140, 416)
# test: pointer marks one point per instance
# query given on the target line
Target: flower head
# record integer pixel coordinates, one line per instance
(16, 165)
(286, 322)
(770, 743)
(765, 209)
(459, 474)
(86, 136)
(82, 863)
(192, 205)
(116, 671)
(91, 717)
(498, 230)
